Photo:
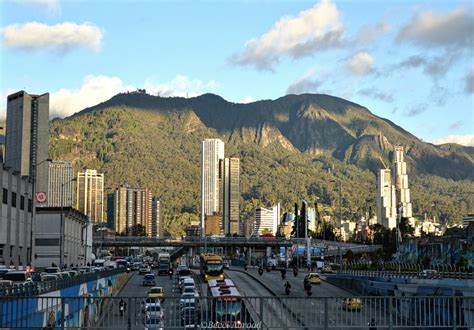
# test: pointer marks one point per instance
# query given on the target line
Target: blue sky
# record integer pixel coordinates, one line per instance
(410, 62)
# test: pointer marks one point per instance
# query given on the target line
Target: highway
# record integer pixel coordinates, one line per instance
(297, 308)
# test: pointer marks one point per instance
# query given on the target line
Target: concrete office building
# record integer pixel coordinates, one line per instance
(266, 220)
(401, 185)
(132, 206)
(229, 178)
(28, 136)
(16, 218)
(90, 195)
(386, 200)
(212, 152)
(61, 184)
(76, 233)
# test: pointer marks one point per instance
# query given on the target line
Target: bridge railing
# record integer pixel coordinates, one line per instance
(461, 275)
(437, 312)
(38, 288)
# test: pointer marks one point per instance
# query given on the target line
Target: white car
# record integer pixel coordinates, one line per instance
(188, 297)
(187, 282)
(189, 289)
(154, 311)
(153, 323)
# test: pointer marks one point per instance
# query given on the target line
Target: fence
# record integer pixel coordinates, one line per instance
(406, 274)
(245, 312)
(38, 288)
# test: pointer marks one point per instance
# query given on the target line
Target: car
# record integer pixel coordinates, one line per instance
(313, 278)
(37, 276)
(327, 270)
(226, 264)
(150, 301)
(429, 274)
(20, 276)
(52, 270)
(186, 282)
(156, 292)
(190, 315)
(136, 265)
(149, 280)
(50, 277)
(189, 289)
(188, 297)
(352, 304)
(3, 271)
(73, 273)
(154, 310)
(144, 270)
(153, 323)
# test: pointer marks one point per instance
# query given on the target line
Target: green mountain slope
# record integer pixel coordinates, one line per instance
(292, 146)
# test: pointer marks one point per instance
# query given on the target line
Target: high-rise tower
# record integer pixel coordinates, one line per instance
(61, 184)
(28, 136)
(90, 195)
(229, 174)
(401, 184)
(386, 200)
(212, 152)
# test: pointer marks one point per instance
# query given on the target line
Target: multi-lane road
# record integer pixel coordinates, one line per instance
(265, 302)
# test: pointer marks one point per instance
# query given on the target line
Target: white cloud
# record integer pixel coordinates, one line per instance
(428, 29)
(369, 33)
(465, 140)
(180, 86)
(97, 89)
(305, 84)
(61, 37)
(247, 99)
(53, 7)
(317, 28)
(94, 89)
(360, 64)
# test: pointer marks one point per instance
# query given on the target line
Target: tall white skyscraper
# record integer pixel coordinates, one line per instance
(90, 195)
(386, 200)
(401, 184)
(212, 152)
(61, 184)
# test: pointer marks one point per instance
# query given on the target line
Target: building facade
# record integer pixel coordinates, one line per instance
(16, 219)
(60, 184)
(400, 176)
(266, 220)
(28, 136)
(386, 200)
(229, 177)
(90, 195)
(212, 152)
(156, 218)
(62, 231)
(131, 207)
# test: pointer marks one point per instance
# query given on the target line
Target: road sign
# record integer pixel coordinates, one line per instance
(41, 197)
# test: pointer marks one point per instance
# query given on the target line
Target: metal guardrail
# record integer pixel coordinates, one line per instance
(406, 274)
(439, 312)
(38, 288)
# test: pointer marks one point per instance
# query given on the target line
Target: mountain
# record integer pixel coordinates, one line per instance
(291, 146)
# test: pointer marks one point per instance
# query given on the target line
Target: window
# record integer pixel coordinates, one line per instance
(30, 205)
(5, 196)
(13, 199)
(22, 202)
(47, 242)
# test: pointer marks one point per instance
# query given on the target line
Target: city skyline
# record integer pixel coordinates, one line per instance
(408, 62)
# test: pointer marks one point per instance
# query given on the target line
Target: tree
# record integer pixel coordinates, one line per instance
(136, 230)
(405, 229)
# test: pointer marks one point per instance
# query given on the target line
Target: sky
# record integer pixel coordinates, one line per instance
(410, 62)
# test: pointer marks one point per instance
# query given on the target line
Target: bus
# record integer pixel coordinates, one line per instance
(212, 267)
(225, 303)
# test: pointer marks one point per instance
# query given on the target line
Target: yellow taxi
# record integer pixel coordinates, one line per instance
(156, 292)
(313, 278)
(352, 304)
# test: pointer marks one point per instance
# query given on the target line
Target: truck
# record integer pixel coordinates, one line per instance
(163, 263)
